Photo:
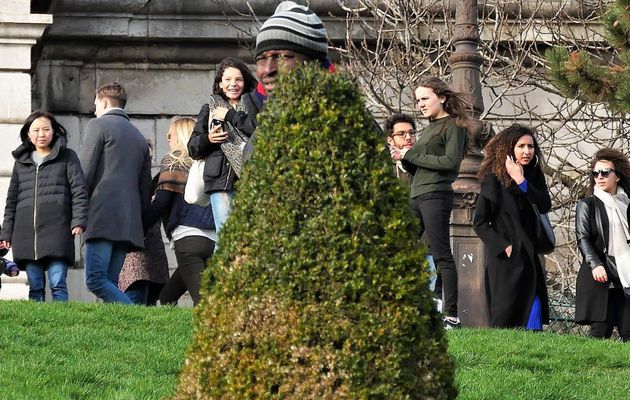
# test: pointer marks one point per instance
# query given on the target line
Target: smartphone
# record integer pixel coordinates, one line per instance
(216, 122)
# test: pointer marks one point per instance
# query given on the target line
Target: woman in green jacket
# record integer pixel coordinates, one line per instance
(435, 159)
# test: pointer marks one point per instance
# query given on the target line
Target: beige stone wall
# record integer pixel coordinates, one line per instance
(163, 51)
(19, 31)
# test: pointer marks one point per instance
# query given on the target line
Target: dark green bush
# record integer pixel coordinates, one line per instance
(319, 289)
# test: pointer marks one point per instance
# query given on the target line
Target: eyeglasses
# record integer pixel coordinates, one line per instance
(603, 172)
(410, 133)
(275, 58)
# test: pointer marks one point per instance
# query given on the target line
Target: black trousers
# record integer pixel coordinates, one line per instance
(434, 210)
(191, 253)
(618, 315)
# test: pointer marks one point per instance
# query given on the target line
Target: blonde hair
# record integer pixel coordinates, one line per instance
(182, 128)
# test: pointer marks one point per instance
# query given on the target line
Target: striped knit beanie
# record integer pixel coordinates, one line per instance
(293, 27)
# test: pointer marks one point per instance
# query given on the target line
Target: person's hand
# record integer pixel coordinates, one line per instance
(6, 244)
(220, 113)
(515, 170)
(216, 135)
(394, 153)
(397, 154)
(599, 274)
(77, 230)
(508, 251)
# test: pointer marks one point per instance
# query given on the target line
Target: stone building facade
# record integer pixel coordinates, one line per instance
(55, 53)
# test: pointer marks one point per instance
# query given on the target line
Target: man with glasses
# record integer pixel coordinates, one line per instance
(401, 135)
(292, 35)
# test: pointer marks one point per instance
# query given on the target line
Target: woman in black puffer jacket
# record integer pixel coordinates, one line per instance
(46, 205)
(231, 103)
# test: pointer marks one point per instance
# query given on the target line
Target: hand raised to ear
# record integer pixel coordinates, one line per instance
(515, 170)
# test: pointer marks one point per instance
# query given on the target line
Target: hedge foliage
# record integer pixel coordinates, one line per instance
(318, 290)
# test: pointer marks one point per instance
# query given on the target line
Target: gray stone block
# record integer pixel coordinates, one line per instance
(15, 103)
(72, 124)
(10, 137)
(161, 143)
(150, 90)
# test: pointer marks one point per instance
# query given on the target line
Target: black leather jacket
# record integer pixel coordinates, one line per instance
(591, 230)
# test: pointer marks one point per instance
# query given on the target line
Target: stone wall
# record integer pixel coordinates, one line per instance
(19, 31)
(163, 51)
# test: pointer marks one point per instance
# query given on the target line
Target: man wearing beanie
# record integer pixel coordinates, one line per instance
(292, 35)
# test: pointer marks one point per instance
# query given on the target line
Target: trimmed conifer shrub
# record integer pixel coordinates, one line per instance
(319, 289)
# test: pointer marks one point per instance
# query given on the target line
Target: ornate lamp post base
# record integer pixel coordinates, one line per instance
(468, 250)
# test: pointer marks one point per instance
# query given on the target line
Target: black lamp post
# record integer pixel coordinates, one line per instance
(467, 247)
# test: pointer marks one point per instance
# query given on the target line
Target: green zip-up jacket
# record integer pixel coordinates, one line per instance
(436, 156)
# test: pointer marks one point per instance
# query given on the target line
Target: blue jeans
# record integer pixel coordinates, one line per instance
(103, 261)
(57, 272)
(221, 203)
(138, 292)
(432, 272)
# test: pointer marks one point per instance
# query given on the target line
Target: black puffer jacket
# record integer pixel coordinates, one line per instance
(44, 203)
(218, 175)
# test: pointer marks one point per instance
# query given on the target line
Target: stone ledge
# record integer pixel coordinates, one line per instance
(264, 8)
(205, 29)
(23, 26)
(26, 18)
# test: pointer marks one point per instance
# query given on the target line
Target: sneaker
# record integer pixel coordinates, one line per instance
(438, 304)
(451, 323)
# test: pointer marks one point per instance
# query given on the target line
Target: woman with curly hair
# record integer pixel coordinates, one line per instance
(512, 181)
(231, 107)
(434, 161)
(601, 226)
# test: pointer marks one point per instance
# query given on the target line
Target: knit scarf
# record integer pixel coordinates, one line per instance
(172, 178)
(618, 232)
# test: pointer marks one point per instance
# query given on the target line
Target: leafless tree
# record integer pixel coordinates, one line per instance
(390, 44)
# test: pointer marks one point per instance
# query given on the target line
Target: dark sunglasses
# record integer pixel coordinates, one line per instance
(603, 172)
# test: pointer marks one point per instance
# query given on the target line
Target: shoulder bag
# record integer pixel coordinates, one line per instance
(194, 192)
(545, 240)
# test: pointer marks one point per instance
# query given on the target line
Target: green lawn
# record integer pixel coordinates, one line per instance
(97, 351)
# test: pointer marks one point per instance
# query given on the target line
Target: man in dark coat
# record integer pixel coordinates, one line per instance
(117, 167)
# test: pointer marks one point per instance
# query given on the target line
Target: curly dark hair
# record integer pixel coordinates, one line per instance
(454, 104)
(620, 163)
(501, 146)
(58, 129)
(393, 119)
(229, 62)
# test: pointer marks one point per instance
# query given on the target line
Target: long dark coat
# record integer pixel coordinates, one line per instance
(44, 203)
(503, 217)
(117, 167)
(591, 231)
